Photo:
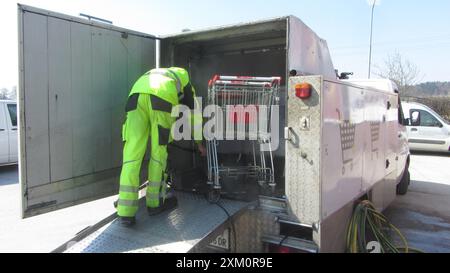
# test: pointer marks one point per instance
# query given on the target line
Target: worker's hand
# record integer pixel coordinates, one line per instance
(201, 149)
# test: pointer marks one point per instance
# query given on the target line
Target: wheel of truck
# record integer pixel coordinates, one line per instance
(402, 187)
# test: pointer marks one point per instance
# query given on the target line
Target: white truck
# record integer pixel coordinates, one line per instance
(341, 143)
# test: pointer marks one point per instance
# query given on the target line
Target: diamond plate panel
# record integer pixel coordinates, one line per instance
(303, 153)
(177, 231)
(250, 229)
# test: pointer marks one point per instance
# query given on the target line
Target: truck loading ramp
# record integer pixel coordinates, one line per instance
(177, 231)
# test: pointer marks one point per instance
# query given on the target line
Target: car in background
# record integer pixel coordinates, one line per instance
(8, 133)
(427, 130)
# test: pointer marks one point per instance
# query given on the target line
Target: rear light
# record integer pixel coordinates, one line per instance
(303, 90)
(273, 248)
(280, 249)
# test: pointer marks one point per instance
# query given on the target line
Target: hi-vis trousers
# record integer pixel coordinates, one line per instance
(147, 117)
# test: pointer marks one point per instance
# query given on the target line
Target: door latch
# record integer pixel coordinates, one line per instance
(291, 136)
(287, 133)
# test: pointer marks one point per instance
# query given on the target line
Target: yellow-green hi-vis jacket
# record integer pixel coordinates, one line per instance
(149, 110)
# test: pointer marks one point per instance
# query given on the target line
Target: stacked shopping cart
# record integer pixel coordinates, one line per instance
(246, 107)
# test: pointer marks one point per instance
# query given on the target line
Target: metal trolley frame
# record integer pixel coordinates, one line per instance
(246, 106)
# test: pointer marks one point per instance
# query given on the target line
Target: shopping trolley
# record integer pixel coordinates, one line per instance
(246, 107)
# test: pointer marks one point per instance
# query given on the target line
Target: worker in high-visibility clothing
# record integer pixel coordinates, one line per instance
(149, 110)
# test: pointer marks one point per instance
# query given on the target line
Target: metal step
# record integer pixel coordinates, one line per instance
(177, 231)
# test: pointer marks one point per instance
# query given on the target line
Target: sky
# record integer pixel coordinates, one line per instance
(419, 30)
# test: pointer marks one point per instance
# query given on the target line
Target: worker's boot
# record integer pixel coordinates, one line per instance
(170, 203)
(127, 221)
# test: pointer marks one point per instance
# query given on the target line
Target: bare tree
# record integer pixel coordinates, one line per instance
(4, 94)
(13, 93)
(401, 71)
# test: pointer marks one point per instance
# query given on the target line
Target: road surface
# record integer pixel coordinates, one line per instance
(46, 232)
(423, 215)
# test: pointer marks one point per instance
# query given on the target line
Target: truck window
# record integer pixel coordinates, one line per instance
(12, 109)
(426, 119)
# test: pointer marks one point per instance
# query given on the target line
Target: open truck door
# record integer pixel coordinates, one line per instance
(74, 80)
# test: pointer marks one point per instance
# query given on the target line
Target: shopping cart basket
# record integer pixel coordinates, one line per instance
(245, 104)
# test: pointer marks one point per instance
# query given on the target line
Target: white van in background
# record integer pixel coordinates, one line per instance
(8, 133)
(427, 130)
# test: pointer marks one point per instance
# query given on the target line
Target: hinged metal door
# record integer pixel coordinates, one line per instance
(74, 80)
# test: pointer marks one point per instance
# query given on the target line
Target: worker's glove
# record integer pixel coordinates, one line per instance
(201, 149)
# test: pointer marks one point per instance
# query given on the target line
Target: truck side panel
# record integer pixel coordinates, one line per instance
(360, 146)
(343, 143)
(374, 153)
(75, 76)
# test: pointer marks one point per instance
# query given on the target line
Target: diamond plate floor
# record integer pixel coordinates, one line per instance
(177, 231)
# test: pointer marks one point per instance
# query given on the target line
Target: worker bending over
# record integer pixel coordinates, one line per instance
(149, 110)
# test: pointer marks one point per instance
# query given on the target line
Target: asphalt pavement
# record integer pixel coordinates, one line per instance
(45, 232)
(423, 215)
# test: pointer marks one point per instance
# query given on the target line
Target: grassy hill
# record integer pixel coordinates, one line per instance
(436, 95)
(430, 89)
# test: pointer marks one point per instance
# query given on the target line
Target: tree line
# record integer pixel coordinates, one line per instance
(407, 77)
